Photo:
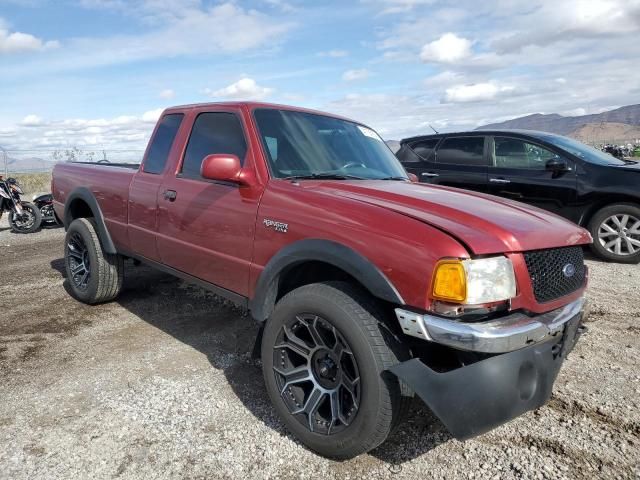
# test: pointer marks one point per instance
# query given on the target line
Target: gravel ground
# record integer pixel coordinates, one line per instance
(161, 384)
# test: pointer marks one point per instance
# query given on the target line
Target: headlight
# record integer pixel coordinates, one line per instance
(474, 282)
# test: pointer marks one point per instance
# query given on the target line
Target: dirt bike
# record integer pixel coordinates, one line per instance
(24, 217)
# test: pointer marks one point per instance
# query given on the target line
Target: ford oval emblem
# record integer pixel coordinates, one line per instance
(569, 270)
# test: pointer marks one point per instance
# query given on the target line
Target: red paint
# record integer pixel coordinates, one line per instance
(213, 230)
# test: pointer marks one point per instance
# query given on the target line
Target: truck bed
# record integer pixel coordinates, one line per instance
(108, 182)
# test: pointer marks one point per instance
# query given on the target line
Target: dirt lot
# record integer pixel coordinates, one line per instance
(161, 384)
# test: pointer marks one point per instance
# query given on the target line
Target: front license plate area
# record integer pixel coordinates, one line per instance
(570, 335)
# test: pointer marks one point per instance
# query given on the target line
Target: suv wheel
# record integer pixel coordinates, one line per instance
(325, 351)
(616, 233)
(94, 275)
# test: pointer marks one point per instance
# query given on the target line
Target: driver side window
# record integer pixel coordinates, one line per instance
(516, 153)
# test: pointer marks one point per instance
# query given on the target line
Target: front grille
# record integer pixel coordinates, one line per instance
(550, 272)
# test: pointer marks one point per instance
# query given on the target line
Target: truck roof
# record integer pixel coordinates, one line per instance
(251, 105)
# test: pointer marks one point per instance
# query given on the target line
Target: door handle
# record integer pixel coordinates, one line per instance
(499, 180)
(170, 195)
(430, 174)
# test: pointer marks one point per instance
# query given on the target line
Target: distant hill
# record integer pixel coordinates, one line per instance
(394, 145)
(554, 123)
(28, 164)
(606, 132)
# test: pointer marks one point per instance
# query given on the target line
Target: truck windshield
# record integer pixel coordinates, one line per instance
(307, 145)
(583, 151)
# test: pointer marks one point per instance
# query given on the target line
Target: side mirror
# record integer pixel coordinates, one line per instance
(223, 167)
(557, 165)
(413, 177)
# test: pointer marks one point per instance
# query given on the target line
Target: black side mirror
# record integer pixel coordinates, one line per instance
(557, 165)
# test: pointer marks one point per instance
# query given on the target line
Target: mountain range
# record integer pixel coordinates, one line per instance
(620, 124)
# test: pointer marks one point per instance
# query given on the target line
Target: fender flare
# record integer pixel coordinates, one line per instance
(84, 194)
(326, 251)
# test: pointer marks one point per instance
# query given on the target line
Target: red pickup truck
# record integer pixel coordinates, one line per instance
(369, 288)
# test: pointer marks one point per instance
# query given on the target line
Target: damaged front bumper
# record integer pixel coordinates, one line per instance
(475, 398)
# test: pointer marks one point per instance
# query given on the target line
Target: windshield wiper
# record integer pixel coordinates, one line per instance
(403, 179)
(324, 176)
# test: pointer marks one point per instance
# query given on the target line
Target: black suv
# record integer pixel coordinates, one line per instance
(559, 174)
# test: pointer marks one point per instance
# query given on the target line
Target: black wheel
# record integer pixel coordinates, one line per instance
(28, 222)
(94, 275)
(616, 233)
(325, 351)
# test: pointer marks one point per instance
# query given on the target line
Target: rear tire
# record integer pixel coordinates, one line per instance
(616, 228)
(33, 223)
(94, 275)
(368, 408)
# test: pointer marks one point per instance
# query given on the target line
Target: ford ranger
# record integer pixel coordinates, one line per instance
(369, 288)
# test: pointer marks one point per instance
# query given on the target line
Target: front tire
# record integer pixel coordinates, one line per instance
(325, 352)
(94, 275)
(29, 222)
(616, 233)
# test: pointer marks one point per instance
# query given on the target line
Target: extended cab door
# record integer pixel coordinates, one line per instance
(460, 161)
(143, 191)
(206, 227)
(519, 172)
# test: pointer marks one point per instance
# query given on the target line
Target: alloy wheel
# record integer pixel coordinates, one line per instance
(620, 234)
(317, 374)
(79, 262)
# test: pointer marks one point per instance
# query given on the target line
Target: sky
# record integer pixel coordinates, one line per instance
(95, 74)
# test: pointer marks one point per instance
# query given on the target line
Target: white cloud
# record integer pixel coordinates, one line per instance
(334, 53)
(244, 89)
(449, 48)
(476, 92)
(221, 29)
(355, 75)
(18, 42)
(397, 6)
(167, 94)
(550, 22)
(149, 117)
(125, 133)
(31, 121)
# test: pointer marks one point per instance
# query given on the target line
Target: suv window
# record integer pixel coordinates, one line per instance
(462, 151)
(516, 153)
(424, 148)
(162, 142)
(218, 132)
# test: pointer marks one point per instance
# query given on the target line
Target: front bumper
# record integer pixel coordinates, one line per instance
(504, 334)
(476, 398)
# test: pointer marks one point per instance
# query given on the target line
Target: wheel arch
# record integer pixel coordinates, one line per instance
(313, 260)
(603, 202)
(81, 203)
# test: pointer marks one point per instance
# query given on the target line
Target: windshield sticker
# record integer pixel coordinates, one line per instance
(367, 132)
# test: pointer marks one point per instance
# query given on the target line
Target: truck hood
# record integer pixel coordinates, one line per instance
(484, 223)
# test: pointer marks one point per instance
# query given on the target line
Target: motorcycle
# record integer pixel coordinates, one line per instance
(45, 205)
(24, 217)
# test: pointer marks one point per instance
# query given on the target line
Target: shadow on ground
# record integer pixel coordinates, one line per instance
(226, 336)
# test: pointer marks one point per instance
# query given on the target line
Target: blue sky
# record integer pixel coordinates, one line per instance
(96, 73)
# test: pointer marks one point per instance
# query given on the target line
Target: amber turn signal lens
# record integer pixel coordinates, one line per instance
(449, 281)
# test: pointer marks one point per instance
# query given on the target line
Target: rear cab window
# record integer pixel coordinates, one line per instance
(213, 133)
(462, 151)
(160, 146)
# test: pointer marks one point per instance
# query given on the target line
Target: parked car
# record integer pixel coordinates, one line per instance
(556, 173)
(367, 287)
